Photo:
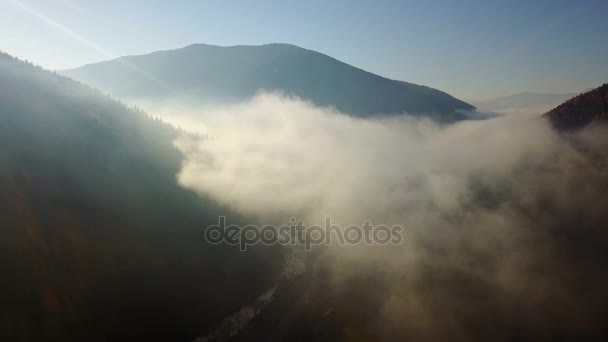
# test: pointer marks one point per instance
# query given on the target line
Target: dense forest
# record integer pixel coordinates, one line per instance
(581, 110)
(97, 240)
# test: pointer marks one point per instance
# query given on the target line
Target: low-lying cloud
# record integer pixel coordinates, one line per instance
(277, 155)
(503, 217)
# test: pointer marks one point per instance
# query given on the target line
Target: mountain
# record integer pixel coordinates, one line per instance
(97, 240)
(214, 73)
(523, 103)
(589, 107)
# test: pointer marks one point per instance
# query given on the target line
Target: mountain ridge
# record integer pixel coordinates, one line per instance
(533, 102)
(235, 73)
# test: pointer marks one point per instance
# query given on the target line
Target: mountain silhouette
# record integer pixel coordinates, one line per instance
(215, 73)
(582, 110)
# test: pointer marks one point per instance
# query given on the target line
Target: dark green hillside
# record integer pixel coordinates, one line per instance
(96, 237)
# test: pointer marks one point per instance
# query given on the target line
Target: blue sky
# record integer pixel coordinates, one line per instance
(470, 49)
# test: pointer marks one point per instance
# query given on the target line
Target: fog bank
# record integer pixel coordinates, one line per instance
(503, 217)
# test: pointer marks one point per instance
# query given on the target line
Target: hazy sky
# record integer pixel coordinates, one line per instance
(471, 49)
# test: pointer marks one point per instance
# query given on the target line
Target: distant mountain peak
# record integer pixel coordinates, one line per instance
(524, 102)
(235, 73)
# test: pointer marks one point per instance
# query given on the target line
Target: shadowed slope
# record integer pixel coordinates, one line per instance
(97, 240)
